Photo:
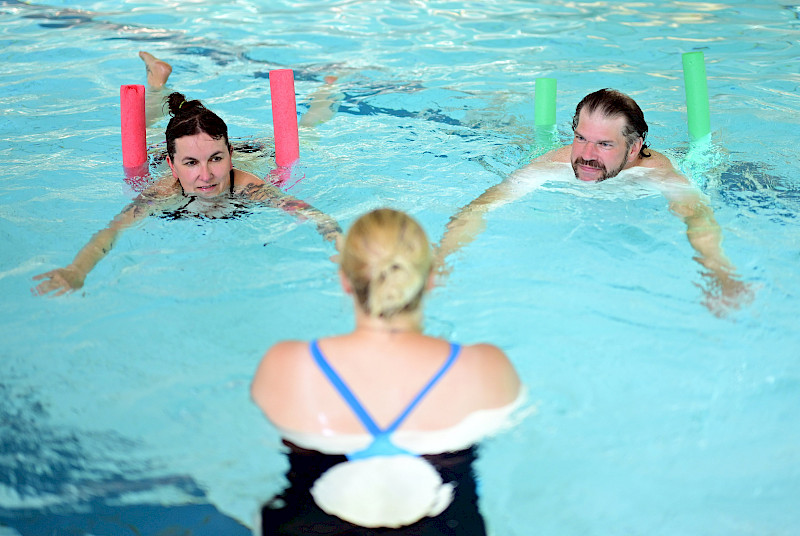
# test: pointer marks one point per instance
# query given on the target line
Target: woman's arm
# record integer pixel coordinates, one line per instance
(71, 277)
(273, 196)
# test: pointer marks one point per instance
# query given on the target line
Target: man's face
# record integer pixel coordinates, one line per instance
(599, 150)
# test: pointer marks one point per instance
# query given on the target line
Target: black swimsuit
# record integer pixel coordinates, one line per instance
(237, 209)
(294, 512)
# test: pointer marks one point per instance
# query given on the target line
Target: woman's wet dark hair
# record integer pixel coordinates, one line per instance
(612, 103)
(191, 117)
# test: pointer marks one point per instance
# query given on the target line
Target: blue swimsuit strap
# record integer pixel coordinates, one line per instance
(454, 351)
(358, 408)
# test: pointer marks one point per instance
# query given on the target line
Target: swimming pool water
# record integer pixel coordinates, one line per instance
(126, 408)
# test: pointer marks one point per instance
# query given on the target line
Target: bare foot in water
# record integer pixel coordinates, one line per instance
(157, 71)
(324, 104)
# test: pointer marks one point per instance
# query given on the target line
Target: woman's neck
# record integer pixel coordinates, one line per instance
(403, 323)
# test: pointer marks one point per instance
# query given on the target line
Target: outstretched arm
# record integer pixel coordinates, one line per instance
(71, 277)
(725, 290)
(465, 226)
(273, 196)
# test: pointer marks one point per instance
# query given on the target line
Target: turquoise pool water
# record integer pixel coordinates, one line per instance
(125, 405)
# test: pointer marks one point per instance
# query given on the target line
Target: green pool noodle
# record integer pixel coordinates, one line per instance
(544, 105)
(694, 79)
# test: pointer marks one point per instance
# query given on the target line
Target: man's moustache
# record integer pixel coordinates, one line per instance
(591, 163)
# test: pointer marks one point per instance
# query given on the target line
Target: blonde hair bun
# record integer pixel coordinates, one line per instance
(387, 259)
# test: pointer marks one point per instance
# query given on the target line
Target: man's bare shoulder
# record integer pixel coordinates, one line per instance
(664, 172)
(560, 155)
(656, 160)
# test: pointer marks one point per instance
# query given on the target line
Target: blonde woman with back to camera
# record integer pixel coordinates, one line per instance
(382, 424)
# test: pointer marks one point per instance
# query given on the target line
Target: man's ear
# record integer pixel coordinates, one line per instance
(636, 146)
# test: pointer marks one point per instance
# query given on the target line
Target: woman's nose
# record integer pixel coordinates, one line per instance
(205, 172)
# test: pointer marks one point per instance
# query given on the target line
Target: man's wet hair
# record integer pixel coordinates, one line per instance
(613, 103)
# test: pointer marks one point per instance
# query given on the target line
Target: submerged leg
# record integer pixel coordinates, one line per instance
(324, 103)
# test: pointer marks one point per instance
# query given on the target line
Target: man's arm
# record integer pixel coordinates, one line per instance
(465, 226)
(725, 289)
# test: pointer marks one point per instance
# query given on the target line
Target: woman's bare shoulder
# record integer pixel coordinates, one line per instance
(243, 178)
(165, 186)
(279, 363)
(490, 369)
(152, 197)
(285, 352)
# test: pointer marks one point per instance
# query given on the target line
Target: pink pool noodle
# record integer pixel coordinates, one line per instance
(134, 146)
(284, 117)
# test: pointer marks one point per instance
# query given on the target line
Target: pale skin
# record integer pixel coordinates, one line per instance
(385, 363)
(600, 151)
(200, 168)
(323, 101)
(158, 71)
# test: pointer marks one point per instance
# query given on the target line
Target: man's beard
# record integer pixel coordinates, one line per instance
(598, 165)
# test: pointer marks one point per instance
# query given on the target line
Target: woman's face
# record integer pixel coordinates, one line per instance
(202, 164)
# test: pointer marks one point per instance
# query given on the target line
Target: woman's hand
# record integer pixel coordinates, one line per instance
(60, 280)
